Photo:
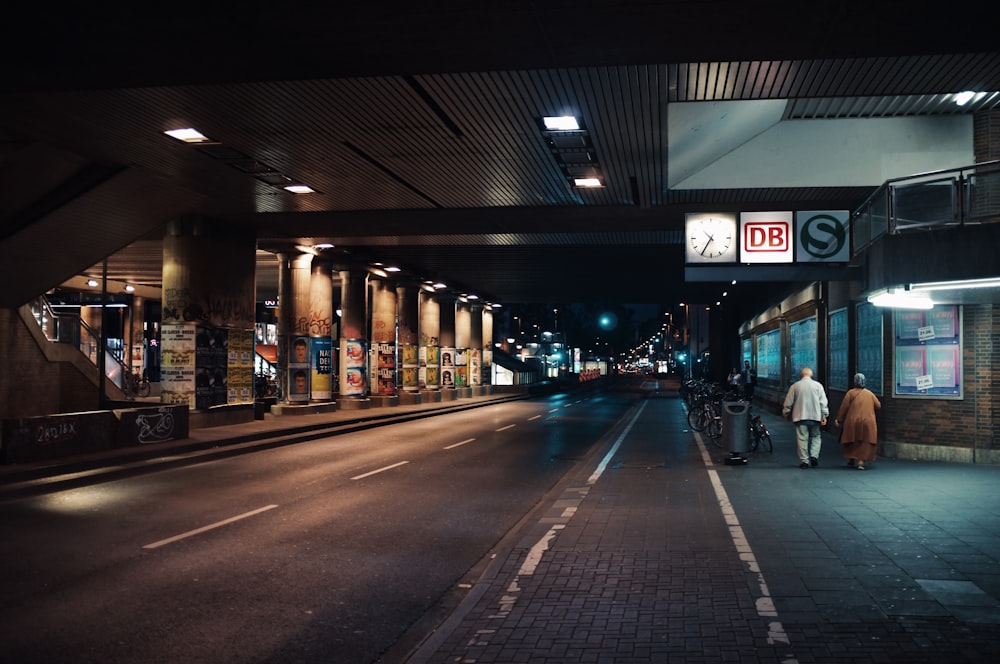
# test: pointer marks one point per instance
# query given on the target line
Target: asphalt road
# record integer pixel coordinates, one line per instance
(335, 550)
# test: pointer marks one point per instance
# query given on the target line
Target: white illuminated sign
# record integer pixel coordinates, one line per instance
(766, 237)
(821, 236)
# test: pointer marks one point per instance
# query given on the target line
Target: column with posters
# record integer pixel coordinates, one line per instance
(430, 349)
(353, 333)
(177, 372)
(487, 367)
(299, 369)
(352, 361)
(408, 308)
(320, 329)
(447, 366)
(321, 377)
(383, 337)
(240, 367)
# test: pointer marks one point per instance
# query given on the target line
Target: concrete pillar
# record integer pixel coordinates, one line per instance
(476, 348)
(488, 349)
(430, 347)
(320, 328)
(448, 343)
(463, 348)
(408, 350)
(207, 333)
(383, 338)
(293, 335)
(354, 389)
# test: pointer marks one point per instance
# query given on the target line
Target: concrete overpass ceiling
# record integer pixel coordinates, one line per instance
(419, 129)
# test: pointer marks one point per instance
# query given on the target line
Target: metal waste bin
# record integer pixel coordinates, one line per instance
(736, 426)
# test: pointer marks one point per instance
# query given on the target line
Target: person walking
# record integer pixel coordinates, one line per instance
(749, 380)
(859, 435)
(806, 405)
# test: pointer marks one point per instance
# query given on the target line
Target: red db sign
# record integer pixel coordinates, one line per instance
(766, 236)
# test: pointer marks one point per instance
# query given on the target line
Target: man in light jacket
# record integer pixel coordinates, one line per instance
(807, 407)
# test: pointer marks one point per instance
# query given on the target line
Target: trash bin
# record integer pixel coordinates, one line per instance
(736, 426)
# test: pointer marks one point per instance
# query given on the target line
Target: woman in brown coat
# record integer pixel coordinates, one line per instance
(860, 433)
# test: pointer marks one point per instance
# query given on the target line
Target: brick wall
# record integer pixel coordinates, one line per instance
(962, 423)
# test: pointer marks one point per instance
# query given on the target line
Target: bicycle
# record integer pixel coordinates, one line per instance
(706, 415)
(760, 437)
(135, 385)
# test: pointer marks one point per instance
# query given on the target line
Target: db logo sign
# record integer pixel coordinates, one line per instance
(770, 236)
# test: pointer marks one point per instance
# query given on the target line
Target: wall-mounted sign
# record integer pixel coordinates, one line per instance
(766, 237)
(710, 238)
(821, 236)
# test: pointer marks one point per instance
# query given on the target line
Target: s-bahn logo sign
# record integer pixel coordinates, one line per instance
(822, 236)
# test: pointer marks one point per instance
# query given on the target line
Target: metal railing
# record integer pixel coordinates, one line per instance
(938, 199)
(69, 328)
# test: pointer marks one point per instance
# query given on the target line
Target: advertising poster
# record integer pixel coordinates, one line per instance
(928, 352)
(461, 367)
(385, 368)
(475, 367)
(411, 364)
(240, 366)
(321, 379)
(838, 350)
(353, 354)
(802, 337)
(177, 364)
(769, 355)
(299, 369)
(869, 345)
(447, 367)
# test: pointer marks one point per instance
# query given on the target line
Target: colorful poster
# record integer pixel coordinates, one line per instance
(475, 367)
(929, 342)
(321, 378)
(838, 339)
(353, 359)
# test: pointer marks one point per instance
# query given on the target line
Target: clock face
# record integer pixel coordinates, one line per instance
(710, 238)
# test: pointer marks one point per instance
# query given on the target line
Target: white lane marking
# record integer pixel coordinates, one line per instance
(534, 418)
(509, 426)
(461, 442)
(764, 603)
(218, 524)
(614, 448)
(379, 470)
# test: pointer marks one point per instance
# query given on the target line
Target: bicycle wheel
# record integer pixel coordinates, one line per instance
(754, 439)
(697, 419)
(714, 430)
(765, 441)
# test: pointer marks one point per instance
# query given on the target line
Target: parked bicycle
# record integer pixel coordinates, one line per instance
(760, 437)
(705, 414)
(135, 385)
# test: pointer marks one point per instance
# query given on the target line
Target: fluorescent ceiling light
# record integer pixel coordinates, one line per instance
(324, 245)
(964, 97)
(392, 268)
(900, 299)
(587, 182)
(561, 123)
(299, 189)
(988, 282)
(188, 135)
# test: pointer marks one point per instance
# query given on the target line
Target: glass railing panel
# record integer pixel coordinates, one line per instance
(983, 196)
(925, 204)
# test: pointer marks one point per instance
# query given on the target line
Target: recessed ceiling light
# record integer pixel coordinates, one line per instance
(561, 123)
(91, 283)
(129, 288)
(392, 268)
(963, 98)
(300, 189)
(587, 182)
(187, 135)
(440, 285)
(324, 245)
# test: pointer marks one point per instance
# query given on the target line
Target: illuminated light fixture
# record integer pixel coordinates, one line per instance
(188, 135)
(439, 286)
(496, 305)
(898, 298)
(299, 189)
(91, 283)
(964, 97)
(129, 288)
(472, 296)
(561, 123)
(988, 282)
(392, 268)
(324, 245)
(587, 183)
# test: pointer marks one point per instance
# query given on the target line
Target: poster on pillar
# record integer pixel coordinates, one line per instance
(211, 367)
(299, 369)
(475, 367)
(321, 380)
(385, 368)
(431, 361)
(461, 367)
(352, 359)
(447, 366)
(410, 355)
(487, 365)
(240, 367)
(177, 353)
